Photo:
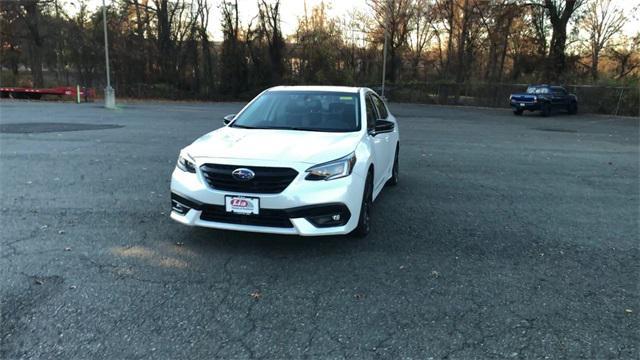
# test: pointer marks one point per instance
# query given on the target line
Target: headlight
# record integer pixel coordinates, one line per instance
(186, 163)
(333, 169)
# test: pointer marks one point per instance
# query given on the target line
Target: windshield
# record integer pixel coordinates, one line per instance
(302, 110)
(537, 90)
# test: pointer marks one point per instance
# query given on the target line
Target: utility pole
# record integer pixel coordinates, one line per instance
(384, 49)
(109, 93)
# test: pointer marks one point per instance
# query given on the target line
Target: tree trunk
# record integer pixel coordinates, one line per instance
(391, 68)
(208, 80)
(35, 48)
(450, 38)
(164, 40)
(557, 61)
(594, 64)
(462, 42)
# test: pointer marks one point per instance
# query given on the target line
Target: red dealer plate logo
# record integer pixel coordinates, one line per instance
(242, 205)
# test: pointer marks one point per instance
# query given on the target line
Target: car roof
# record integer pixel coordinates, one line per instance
(547, 86)
(340, 89)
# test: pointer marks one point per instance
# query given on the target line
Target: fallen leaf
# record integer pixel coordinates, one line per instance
(38, 281)
(359, 296)
(435, 274)
(256, 295)
(179, 243)
(67, 249)
(60, 232)
(72, 287)
(628, 311)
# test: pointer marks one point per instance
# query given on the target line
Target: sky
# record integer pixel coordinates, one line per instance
(291, 10)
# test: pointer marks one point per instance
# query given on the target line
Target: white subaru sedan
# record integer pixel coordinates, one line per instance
(302, 160)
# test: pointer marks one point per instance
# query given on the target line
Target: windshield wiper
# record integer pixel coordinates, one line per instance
(285, 128)
(245, 127)
(296, 128)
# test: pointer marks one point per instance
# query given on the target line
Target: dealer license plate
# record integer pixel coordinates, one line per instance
(521, 104)
(242, 205)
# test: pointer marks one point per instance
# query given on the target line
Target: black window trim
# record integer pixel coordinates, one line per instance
(373, 94)
(375, 110)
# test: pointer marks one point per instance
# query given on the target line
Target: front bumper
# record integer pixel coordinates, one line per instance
(298, 210)
(530, 106)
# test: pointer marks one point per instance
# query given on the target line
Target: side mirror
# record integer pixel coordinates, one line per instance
(227, 119)
(383, 126)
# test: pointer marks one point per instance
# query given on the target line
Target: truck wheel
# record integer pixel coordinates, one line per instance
(573, 108)
(517, 111)
(546, 110)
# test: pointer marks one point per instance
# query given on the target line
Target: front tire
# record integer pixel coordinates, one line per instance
(364, 221)
(395, 172)
(546, 110)
(573, 108)
(517, 111)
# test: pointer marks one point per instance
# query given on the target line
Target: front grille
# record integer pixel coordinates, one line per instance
(267, 180)
(527, 99)
(267, 217)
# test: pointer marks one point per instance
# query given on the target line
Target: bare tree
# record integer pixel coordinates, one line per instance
(233, 74)
(627, 56)
(393, 16)
(560, 13)
(269, 15)
(602, 21)
(30, 14)
(318, 42)
(207, 54)
(497, 19)
(421, 31)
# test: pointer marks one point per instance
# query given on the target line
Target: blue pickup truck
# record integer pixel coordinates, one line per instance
(544, 98)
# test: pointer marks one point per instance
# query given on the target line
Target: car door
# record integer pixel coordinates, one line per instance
(559, 97)
(378, 145)
(389, 138)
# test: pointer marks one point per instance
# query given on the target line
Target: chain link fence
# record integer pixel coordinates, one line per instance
(591, 99)
(611, 100)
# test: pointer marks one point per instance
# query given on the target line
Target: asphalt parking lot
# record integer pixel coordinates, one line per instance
(508, 237)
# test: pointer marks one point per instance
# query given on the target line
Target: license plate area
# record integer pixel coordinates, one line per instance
(243, 205)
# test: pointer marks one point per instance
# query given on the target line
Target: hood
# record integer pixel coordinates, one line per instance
(280, 145)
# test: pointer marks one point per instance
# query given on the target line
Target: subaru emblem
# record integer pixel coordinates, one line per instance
(243, 174)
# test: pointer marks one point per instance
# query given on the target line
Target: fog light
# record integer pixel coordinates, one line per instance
(328, 220)
(179, 208)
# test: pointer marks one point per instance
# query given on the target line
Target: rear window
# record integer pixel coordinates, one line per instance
(537, 90)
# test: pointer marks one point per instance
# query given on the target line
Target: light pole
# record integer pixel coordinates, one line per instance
(109, 93)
